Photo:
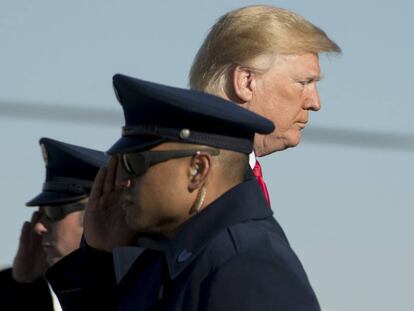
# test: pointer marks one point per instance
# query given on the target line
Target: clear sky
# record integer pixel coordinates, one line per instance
(347, 210)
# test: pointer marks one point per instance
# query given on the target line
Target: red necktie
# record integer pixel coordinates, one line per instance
(257, 171)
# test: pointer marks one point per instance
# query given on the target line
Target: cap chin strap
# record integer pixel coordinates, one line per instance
(70, 185)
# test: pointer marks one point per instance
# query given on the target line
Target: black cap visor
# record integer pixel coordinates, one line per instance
(53, 198)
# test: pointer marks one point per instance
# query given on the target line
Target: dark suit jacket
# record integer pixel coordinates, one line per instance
(23, 296)
(231, 256)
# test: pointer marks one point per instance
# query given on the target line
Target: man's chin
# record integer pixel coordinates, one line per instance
(294, 143)
(51, 260)
(272, 145)
(293, 140)
(130, 220)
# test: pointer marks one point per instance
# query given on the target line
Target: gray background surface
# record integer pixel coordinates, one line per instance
(344, 196)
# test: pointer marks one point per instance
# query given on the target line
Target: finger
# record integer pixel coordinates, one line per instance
(25, 235)
(109, 182)
(97, 186)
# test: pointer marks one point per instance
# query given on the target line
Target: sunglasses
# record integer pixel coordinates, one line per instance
(137, 163)
(55, 213)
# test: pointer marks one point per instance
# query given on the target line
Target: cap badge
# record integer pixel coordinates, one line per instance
(185, 133)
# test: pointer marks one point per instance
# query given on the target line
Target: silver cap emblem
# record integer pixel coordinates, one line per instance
(185, 133)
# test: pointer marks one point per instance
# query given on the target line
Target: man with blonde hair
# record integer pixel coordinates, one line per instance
(266, 60)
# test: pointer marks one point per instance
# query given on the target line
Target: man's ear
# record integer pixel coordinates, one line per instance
(243, 83)
(199, 170)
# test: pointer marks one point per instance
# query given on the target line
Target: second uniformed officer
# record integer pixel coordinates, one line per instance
(56, 227)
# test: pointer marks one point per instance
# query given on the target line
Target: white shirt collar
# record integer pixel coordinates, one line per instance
(55, 300)
(252, 159)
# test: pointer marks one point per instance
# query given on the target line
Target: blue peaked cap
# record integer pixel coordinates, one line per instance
(156, 113)
(70, 172)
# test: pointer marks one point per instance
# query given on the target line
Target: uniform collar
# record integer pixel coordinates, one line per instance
(123, 258)
(242, 203)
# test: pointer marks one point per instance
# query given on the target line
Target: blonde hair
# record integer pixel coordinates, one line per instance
(241, 36)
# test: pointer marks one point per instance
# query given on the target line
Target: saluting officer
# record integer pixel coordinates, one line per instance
(56, 227)
(207, 239)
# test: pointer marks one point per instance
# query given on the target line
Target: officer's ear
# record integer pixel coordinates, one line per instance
(243, 83)
(199, 170)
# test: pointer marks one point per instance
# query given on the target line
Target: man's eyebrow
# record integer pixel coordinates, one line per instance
(315, 77)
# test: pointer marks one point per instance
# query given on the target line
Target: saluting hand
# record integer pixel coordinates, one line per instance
(104, 224)
(30, 261)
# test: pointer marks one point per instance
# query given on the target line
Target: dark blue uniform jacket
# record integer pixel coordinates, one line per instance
(23, 296)
(231, 256)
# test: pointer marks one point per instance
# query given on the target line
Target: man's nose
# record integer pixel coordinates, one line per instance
(38, 222)
(312, 99)
(123, 179)
(40, 227)
(123, 182)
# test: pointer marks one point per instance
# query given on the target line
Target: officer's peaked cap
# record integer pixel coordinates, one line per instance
(70, 171)
(156, 113)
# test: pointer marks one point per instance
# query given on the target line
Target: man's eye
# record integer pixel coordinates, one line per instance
(306, 82)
